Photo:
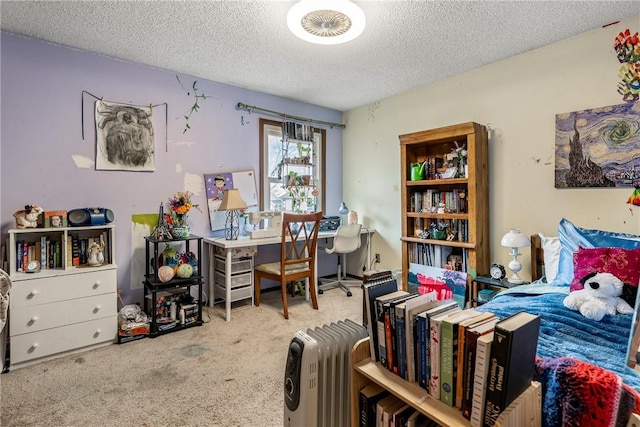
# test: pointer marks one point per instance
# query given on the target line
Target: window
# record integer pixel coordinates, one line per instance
(291, 166)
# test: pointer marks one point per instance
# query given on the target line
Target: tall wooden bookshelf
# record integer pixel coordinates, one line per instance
(466, 196)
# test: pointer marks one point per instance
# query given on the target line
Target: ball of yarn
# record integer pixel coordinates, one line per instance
(165, 273)
(184, 271)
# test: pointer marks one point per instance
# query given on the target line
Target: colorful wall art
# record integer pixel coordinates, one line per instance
(628, 52)
(598, 147)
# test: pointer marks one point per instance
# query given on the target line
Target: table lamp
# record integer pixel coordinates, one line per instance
(514, 239)
(232, 202)
(343, 211)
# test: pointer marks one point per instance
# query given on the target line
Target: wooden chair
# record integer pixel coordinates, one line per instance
(298, 249)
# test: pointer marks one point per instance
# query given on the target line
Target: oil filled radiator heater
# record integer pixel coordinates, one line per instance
(317, 375)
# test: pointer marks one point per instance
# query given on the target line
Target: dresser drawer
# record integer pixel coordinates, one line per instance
(236, 294)
(47, 316)
(27, 293)
(237, 265)
(236, 281)
(51, 341)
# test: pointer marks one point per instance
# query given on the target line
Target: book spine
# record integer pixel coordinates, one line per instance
(25, 255)
(434, 358)
(58, 254)
(494, 399)
(469, 361)
(423, 342)
(69, 253)
(382, 343)
(394, 340)
(400, 332)
(448, 334)
(460, 365)
(387, 336)
(43, 253)
(483, 351)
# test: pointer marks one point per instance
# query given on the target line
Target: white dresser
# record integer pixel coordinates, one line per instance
(62, 308)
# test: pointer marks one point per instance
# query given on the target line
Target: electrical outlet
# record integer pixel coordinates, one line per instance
(377, 258)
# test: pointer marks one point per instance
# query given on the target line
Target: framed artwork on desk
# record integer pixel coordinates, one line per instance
(215, 185)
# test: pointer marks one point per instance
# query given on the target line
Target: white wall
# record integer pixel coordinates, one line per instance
(518, 99)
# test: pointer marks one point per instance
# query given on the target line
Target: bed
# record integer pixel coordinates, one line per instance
(607, 388)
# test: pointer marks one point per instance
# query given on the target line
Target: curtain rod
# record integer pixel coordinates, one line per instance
(252, 108)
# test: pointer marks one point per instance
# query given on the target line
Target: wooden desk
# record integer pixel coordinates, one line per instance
(244, 241)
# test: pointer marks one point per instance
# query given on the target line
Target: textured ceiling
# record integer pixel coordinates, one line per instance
(247, 44)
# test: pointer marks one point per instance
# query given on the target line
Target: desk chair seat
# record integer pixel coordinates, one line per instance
(346, 240)
(297, 257)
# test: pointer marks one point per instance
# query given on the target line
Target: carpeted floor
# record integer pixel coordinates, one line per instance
(219, 374)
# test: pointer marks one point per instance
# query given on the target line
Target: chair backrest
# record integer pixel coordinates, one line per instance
(299, 239)
(347, 238)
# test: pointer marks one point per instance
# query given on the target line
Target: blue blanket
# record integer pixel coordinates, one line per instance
(564, 332)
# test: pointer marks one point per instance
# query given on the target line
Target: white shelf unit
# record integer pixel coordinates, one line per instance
(63, 310)
(241, 279)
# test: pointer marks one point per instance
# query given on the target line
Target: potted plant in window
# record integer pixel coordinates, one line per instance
(298, 191)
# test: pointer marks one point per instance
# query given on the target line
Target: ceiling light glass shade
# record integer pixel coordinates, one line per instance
(326, 21)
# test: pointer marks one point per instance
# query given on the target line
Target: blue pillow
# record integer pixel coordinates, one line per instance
(572, 237)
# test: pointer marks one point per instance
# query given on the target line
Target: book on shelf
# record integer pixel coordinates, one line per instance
(511, 362)
(470, 361)
(412, 308)
(415, 418)
(423, 318)
(373, 290)
(463, 344)
(369, 397)
(380, 323)
(75, 250)
(449, 353)
(69, 250)
(389, 411)
(43, 252)
(527, 406)
(390, 331)
(481, 371)
(401, 415)
(404, 329)
(434, 351)
(383, 406)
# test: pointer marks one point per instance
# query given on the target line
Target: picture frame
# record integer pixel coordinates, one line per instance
(449, 173)
(55, 219)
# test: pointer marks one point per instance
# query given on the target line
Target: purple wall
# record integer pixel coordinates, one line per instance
(41, 130)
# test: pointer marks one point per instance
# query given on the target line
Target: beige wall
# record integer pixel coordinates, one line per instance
(518, 99)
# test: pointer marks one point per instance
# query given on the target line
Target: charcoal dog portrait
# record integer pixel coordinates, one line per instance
(124, 137)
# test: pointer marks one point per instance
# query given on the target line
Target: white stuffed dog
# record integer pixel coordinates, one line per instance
(600, 296)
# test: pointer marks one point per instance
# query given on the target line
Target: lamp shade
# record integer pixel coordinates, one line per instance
(515, 239)
(343, 209)
(326, 21)
(232, 201)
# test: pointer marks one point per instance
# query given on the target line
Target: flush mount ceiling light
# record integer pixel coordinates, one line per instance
(326, 21)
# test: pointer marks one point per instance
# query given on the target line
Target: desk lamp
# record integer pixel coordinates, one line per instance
(344, 210)
(514, 239)
(231, 202)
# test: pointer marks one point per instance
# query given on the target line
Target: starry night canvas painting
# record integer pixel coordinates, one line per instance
(598, 147)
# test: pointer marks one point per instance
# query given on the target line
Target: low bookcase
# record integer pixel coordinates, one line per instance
(365, 371)
(59, 305)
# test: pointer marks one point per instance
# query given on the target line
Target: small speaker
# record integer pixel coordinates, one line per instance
(89, 216)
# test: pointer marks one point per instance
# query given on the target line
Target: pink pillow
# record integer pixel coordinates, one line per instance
(622, 263)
